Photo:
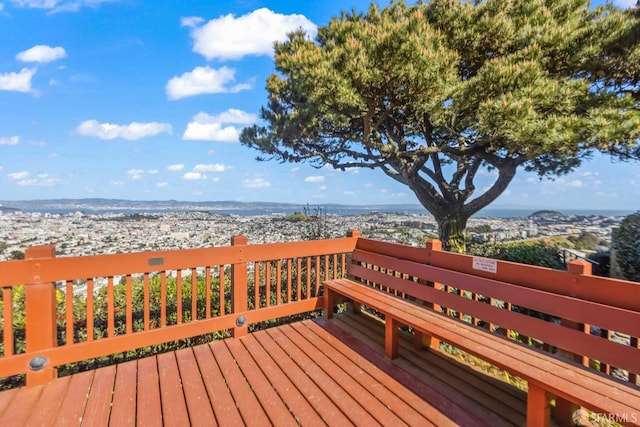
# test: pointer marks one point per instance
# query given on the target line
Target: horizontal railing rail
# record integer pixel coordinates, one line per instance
(57, 311)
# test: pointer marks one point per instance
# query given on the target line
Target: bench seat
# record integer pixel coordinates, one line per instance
(547, 376)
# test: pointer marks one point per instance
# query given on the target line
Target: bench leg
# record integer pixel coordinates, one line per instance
(329, 303)
(422, 340)
(390, 338)
(538, 407)
(564, 412)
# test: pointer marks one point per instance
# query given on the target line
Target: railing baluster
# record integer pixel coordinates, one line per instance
(207, 297)
(299, 278)
(163, 298)
(110, 308)
(278, 281)
(194, 295)
(317, 270)
(256, 285)
(68, 307)
(178, 296)
(267, 282)
(90, 327)
(7, 316)
(289, 279)
(222, 289)
(129, 302)
(147, 302)
(308, 277)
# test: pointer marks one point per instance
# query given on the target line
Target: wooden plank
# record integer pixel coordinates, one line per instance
(98, 409)
(49, 402)
(220, 397)
(123, 410)
(174, 407)
(291, 396)
(195, 393)
(350, 376)
(21, 406)
(323, 405)
(442, 381)
(388, 391)
(74, 402)
(72, 407)
(334, 389)
(148, 403)
(583, 387)
(276, 410)
(5, 399)
(248, 405)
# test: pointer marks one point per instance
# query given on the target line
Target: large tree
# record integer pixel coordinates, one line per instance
(435, 92)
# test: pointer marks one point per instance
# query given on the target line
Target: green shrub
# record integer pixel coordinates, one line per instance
(626, 244)
(533, 253)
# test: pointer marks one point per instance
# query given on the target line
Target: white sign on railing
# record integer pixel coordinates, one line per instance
(484, 264)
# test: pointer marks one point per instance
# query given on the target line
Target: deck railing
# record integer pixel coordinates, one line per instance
(79, 308)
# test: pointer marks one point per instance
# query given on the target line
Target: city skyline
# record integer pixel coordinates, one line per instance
(145, 100)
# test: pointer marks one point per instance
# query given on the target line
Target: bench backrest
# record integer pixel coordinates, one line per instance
(555, 319)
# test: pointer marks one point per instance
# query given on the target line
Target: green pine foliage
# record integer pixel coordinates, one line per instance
(626, 244)
(435, 92)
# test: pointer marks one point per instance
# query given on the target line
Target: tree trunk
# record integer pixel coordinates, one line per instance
(451, 231)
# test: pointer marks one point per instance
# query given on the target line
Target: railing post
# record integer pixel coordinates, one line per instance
(239, 288)
(565, 409)
(419, 338)
(356, 307)
(40, 316)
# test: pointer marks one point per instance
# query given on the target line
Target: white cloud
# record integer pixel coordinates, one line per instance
(191, 21)
(204, 80)
(19, 82)
(205, 127)
(576, 183)
(153, 171)
(228, 37)
(175, 168)
(194, 176)
(314, 179)
(59, 5)
(131, 131)
(135, 174)
(162, 184)
(24, 179)
(255, 183)
(217, 167)
(19, 175)
(10, 140)
(42, 53)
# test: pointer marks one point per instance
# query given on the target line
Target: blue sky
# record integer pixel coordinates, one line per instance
(140, 99)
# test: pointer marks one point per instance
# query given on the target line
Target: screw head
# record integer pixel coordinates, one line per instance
(37, 363)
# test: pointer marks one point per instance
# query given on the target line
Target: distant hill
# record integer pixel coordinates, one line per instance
(546, 214)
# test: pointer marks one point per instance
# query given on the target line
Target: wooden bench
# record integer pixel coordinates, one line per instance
(454, 298)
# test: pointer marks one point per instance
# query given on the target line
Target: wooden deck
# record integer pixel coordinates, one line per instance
(320, 372)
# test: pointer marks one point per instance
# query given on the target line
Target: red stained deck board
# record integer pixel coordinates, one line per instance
(21, 407)
(310, 390)
(48, 405)
(332, 388)
(249, 406)
(198, 405)
(287, 390)
(96, 413)
(272, 404)
(220, 397)
(349, 376)
(174, 407)
(148, 404)
(72, 407)
(123, 411)
(391, 393)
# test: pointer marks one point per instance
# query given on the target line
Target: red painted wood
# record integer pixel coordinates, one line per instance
(220, 397)
(49, 402)
(174, 407)
(123, 411)
(71, 411)
(98, 406)
(21, 407)
(148, 403)
(195, 393)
